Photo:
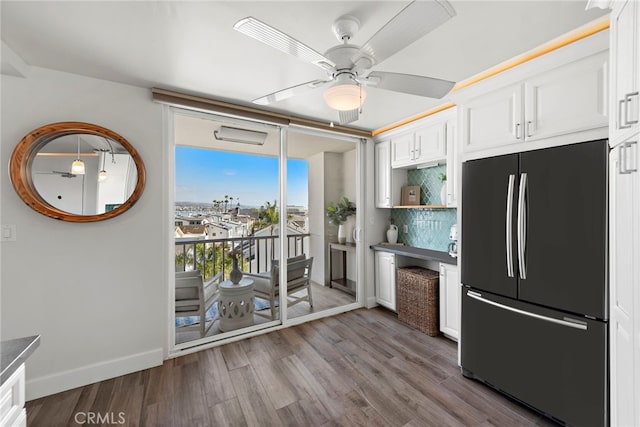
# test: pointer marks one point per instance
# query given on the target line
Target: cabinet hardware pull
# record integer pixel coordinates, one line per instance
(620, 124)
(622, 167)
(522, 226)
(629, 146)
(517, 130)
(572, 324)
(509, 222)
(627, 100)
(529, 122)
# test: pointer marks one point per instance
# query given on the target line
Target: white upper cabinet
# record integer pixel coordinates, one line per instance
(402, 149)
(424, 145)
(452, 164)
(625, 70)
(493, 119)
(383, 174)
(558, 98)
(430, 144)
(568, 99)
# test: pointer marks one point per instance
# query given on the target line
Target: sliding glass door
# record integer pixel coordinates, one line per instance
(251, 226)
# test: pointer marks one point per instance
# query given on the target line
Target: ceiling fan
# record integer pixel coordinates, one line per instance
(349, 66)
(61, 173)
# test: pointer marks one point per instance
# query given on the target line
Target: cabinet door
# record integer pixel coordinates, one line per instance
(386, 279)
(625, 69)
(452, 164)
(430, 144)
(449, 301)
(494, 119)
(624, 283)
(402, 151)
(567, 99)
(383, 174)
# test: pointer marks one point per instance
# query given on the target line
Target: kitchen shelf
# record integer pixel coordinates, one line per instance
(421, 207)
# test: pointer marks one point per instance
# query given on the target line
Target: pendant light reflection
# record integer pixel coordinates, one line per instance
(102, 175)
(77, 167)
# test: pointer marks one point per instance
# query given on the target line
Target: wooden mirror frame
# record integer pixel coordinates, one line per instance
(28, 147)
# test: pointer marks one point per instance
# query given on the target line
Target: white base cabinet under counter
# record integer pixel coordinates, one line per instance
(450, 301)
(12, 411)
(385, 264)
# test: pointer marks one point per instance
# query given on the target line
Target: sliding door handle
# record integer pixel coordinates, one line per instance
(509, 225)
(522, 225)
(577, 324)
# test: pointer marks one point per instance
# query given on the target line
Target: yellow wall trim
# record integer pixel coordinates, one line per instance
(580, 33)
(414, 118)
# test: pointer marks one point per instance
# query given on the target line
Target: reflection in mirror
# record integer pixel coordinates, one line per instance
(109, 177)
(77, 172)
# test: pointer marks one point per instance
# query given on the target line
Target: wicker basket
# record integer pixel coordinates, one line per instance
(417, 298)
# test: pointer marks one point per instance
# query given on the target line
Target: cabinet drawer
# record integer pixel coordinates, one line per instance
(12, 398)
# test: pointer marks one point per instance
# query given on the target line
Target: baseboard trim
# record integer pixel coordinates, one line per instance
(66, 380)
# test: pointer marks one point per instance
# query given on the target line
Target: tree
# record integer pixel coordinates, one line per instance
(267, 217)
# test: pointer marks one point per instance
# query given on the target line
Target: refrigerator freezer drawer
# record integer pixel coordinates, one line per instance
(551, 361)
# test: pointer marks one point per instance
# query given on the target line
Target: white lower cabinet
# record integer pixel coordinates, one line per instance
(624, 282)
(450, 301)
(386, 279)
(12, 412)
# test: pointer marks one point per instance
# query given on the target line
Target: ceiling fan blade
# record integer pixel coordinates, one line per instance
(348, 116)
(409, 83)
(413, 22)
(268, 35)
(289, 92)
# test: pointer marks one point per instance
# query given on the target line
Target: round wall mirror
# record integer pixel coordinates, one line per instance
(78, 172)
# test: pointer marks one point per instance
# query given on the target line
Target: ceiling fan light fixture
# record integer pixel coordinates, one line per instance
(345, 94)
(77, 166)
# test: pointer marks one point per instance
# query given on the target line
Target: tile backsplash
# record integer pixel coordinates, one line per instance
(427, 228)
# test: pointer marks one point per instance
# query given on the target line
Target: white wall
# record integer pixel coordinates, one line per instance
(95, 292)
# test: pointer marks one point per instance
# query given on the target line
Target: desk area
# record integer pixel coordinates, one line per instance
(341, 282)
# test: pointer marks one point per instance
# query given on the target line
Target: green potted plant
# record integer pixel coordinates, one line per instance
(338, 214)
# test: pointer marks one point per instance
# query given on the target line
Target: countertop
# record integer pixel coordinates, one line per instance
(14, 353)
(418, 253)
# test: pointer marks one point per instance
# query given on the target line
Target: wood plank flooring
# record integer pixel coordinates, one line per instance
(362, 368)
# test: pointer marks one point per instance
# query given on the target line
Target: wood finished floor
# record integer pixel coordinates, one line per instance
(362, 368)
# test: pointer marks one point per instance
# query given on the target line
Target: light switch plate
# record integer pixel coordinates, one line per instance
(8, 233)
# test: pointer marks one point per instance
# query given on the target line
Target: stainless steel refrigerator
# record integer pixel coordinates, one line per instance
(534, 276)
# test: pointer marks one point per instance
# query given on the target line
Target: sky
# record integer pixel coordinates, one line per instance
(205, 175)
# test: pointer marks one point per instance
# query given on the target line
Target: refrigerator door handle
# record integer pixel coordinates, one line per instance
(522, 225)
(571, 324)
(509, 222)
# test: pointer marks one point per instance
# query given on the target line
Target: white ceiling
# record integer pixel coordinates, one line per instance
(191, 46)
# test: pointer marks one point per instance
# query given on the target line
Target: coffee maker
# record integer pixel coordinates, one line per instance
(453, 246)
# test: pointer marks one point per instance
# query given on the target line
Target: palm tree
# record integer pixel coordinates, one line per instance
(267, 217)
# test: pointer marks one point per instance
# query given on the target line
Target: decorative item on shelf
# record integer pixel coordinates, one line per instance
(338, 214)
(392, 233)
(410, 195)
(443, 189)
(235, 275)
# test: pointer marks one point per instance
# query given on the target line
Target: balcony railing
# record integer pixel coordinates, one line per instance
(211, 256)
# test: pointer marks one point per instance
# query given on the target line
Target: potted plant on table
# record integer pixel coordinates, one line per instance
(338, 214)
